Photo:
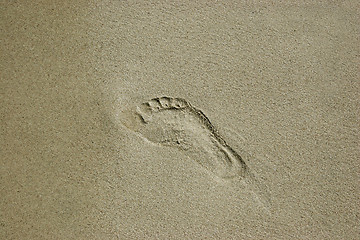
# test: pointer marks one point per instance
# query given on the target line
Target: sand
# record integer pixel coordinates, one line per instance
(269, 148)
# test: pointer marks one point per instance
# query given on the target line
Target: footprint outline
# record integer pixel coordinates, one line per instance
(237, 167)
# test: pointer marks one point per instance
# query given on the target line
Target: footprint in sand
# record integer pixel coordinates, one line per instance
(176, 123)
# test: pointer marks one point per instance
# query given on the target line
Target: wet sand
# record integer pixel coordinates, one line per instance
(279, 83)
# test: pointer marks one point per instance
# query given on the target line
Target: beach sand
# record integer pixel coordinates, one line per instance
(179, 120)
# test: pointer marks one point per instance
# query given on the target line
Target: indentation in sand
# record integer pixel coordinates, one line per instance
(174, 122)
